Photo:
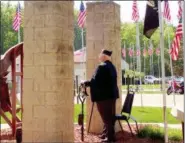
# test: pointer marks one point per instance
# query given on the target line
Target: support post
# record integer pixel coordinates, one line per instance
(163, 71)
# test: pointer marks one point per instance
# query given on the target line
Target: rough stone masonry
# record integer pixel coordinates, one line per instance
(103, 31)
(48, 72)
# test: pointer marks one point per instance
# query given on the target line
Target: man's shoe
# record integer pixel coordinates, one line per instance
(106, 140)
(102, 136)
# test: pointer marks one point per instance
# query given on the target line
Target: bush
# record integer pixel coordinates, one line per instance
(157, 133)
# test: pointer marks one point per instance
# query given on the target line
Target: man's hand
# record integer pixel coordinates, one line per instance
(84, 83)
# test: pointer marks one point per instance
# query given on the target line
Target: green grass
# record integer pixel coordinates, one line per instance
(146, 92)
(147, 86)
(157, 133)
(152, 115)
(142, 114)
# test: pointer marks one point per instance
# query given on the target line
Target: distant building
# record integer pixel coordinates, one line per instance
(80, 64)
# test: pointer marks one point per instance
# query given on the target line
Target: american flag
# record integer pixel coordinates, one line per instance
(123, 52)
(176, 41)
(131, 52)
(138, 53)
(144, 52)
(17, 19)
(82, 15)
(166, 12)
(157, 51)
(150, 51)
(79, 52)
(179, 15)
(135, 12)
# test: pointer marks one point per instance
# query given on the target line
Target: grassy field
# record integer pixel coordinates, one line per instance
(142, 114)
(146, 92)
(147, 86)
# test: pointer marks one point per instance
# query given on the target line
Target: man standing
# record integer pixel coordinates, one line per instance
(104, 91)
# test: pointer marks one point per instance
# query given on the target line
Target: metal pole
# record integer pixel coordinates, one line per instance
(183, 23)
(144, 56)
(163, 70)
(150, 59)
(134, 66)
(19, 36)
(139, 48)
(171, 67)
(125, 62)
(84, 52)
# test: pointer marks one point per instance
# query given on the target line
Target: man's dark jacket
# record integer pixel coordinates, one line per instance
(103, 84)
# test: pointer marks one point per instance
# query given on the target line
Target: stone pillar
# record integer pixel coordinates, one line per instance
(48, 72)
(103, 31)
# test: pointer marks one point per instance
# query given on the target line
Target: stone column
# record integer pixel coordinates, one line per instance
(103, 31)
(48, 72)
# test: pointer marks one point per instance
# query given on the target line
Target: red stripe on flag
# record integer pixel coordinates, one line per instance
(176, 42)
(166, 13)
(135, 11)
(82, 16)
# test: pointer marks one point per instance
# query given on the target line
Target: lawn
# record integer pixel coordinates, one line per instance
(146, 86)
(142, 114)
(146, 92)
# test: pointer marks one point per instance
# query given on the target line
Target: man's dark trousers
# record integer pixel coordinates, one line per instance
(107, 111)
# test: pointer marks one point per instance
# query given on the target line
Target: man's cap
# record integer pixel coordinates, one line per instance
(107, 52)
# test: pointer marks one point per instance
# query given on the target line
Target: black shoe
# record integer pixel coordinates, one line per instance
(106, 140)
(102, 136)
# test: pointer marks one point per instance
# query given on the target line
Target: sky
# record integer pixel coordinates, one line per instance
(126, 9)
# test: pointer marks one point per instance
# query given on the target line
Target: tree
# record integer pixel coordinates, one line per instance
(128, 36)
(9, 37)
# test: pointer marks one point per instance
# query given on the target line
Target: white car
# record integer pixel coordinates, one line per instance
(150, 79)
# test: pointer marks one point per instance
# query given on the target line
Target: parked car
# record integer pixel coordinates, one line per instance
(150, 79)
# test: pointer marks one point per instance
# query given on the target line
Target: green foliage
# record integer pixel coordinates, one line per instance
(8, 35)
(130, 74)
(78, 33)
(157, 133)
(128, 37)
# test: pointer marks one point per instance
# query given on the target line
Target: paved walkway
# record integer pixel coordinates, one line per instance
(152, 100)
(155, 100)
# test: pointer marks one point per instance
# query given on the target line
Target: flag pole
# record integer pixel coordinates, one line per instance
(139, 58)
(138, 48)
(134, 69)
(150, 58)
(159, 67)
(183, 37)
(144, 55)
(125, 62)
(171, 67)
(19, 35)
(163, 71)
(84, 52)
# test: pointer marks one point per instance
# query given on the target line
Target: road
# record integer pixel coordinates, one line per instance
(153, 100)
